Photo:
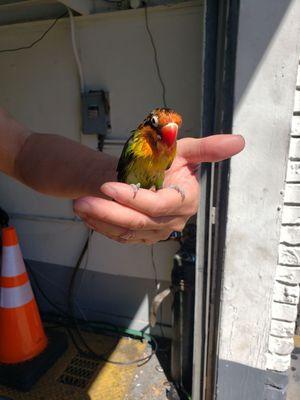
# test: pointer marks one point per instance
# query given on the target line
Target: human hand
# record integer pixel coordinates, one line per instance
(152, 216)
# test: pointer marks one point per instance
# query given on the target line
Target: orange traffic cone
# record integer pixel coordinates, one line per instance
(22, 336)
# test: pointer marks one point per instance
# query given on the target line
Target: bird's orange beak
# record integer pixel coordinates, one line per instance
(169, 133)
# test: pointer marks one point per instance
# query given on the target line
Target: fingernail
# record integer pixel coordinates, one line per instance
(109, 190)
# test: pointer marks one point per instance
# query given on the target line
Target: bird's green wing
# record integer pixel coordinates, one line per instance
(125, 159)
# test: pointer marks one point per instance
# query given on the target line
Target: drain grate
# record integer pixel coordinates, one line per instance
(79, 372)
(78, 377)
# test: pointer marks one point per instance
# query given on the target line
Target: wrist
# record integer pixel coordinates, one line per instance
(57, 166)
(101, 169)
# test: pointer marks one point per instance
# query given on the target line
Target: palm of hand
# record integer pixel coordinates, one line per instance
(184, 174)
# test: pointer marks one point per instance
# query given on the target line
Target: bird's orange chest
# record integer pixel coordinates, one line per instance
(147, 148)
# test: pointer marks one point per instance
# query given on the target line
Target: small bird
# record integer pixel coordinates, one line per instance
(150, 151)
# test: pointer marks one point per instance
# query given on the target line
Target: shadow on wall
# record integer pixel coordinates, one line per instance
(248, 382)
(116, 299)
(260, 29)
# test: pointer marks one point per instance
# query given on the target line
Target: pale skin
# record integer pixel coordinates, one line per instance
(57, 166)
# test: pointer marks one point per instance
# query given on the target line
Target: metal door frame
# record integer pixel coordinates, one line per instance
(219, 54)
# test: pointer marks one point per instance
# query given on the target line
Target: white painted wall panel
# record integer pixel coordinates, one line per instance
(40, 87)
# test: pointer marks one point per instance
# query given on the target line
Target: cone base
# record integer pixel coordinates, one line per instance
(24, 375)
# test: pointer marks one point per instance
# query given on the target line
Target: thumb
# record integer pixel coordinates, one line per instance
(211, 148)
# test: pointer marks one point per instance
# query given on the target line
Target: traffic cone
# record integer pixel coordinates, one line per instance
(22, 336)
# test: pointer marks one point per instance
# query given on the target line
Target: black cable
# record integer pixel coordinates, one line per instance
(4, 219)
(163, 86)
(90, 352)
(155, 55)
(156, 290)
(55, 306)
(140, 361)
(71, 294)
(60, 310)
(71, 288)
(68, 326)
(29, 46)
(154, 267)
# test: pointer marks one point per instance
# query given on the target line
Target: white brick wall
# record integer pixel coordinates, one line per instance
(290, 235)
(298, 78)
(297, 101)
(284, 293)
(282, 329)
(278, 362)
(294, 148)
(281, 346)
(287, 277)
(287, 274)
(291, 214)
(296, 124)
(284, 312)
(293, 171)
(292, 193)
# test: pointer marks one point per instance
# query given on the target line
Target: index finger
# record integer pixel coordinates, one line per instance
(165, 202)
(111, 212)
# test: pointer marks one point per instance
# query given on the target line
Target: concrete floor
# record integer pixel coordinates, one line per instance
(151, 380)
(294, 378)
(78, 377)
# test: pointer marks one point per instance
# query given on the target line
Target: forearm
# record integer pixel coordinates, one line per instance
(57, 166)
(12, 138)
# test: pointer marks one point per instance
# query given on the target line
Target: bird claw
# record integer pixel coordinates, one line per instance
(179, 190)
(135, 188)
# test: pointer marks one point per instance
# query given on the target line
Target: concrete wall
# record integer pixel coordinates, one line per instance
(267, 61)
(40, 87)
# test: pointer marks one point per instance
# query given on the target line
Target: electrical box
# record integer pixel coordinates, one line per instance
(95, 112)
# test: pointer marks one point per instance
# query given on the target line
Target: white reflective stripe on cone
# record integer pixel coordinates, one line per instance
(12, 261)
(16, 296)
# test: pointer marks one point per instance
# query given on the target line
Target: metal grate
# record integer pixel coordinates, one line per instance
(78, 377)
(79, 372)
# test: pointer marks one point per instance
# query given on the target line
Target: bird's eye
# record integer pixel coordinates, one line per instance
(154, 120)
